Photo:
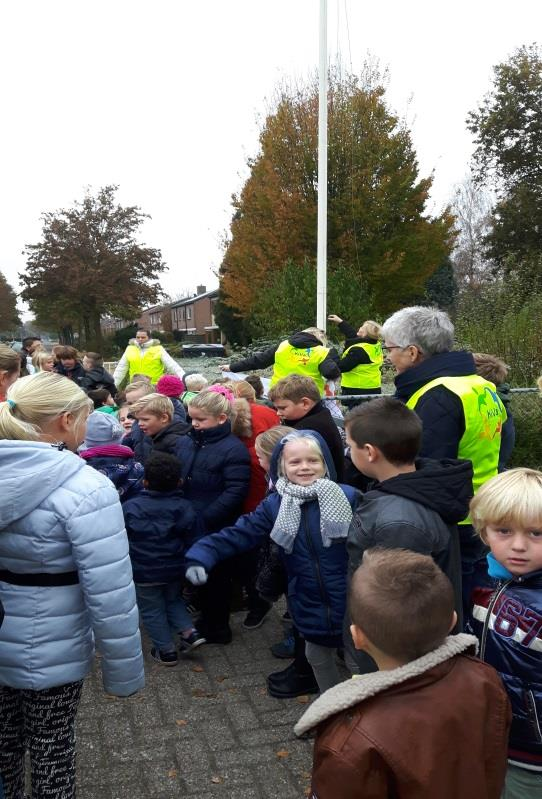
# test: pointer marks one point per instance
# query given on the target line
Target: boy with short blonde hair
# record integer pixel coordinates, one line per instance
(507, 618)
(433, 721)
(155, 417)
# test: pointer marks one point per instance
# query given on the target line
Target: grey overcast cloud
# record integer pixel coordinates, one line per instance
(165, 99)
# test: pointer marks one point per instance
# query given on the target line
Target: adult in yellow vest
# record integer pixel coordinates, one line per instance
(461, 412)
(145, 355)
(305, 353)
(361, 360)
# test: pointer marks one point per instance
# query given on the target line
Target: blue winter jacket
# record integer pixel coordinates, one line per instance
(215, 470)
(507, 620)
(61, 519)
(118, 464)
(316, 574)
(158, 525)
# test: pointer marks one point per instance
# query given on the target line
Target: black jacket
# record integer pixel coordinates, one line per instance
(166, 440)
(98, 377)
(320, 419)
(356, 356)
(418, 511)
(260, 360)
(77, 374)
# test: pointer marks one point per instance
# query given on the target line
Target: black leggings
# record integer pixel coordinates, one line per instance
(44, 723)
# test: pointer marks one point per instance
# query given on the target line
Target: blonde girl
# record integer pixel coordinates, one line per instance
(65, 581)
(361, 360)
(10, 369)
(43, 361)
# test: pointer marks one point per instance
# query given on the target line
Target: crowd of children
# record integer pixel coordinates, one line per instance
(219, 485)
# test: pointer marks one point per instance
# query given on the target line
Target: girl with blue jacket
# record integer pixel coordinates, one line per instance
(65, 582)
(308, 517)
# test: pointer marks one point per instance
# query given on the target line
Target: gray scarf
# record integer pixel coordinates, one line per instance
(335, 511)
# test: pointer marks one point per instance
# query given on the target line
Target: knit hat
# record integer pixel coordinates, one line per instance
(170, 386)
(102, 428)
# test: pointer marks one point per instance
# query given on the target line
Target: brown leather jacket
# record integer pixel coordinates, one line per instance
(436, 728)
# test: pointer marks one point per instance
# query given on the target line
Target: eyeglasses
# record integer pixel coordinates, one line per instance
(393, 347)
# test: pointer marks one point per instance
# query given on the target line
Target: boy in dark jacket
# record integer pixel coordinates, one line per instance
(433, 722)
(96, 376)
(104, 452)
(159, 522)
(414, 504)
(298, 403)
(161, 432)
(507, 618)
(69, 366)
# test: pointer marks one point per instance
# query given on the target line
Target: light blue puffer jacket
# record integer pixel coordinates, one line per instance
(59, 515)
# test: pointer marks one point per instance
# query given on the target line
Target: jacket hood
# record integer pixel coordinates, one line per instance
(302, 340)
(277, 452)
(443, 364)
(152, 342)
(107, 451)
(31, 471)
(444, 486)
(175, 428)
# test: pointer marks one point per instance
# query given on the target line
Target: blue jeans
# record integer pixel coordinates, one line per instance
(163, 613)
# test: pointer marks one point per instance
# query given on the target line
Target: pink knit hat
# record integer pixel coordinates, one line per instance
(170, 386)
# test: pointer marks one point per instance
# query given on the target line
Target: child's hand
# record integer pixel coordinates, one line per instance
(196, 575)
(225, 367)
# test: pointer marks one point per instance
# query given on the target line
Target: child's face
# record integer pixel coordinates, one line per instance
(68, 363)
(204, 421)
(133, 396)
(109, 400)
(519, 549)
(301, 464)
(150, 423)
(48, 364)
(87, 363)
(289, 411)
(359, 456)
(125, 420)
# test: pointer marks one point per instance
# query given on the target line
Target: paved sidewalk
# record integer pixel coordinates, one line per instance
(206, 728)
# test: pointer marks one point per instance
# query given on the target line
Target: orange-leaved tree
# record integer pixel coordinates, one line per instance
(377, 222)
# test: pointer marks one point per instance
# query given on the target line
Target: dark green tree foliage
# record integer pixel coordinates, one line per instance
(508, 137)
(276, 316)
(236, 329)
(89, 263)
(9, 316)
(441, 288)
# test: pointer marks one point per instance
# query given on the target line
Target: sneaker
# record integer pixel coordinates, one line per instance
(255, 618)
(285, 648)
(189, 642)
(214, 635)
(164, 658)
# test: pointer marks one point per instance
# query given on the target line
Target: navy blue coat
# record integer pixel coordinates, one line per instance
(118, 464)
(507, 620)
(215, 470)
(159, 525)
(316, 574)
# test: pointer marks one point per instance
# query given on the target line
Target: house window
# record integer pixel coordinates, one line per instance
(189, 312)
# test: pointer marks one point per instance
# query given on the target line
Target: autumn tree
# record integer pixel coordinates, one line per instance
(472, 206)
(508, 135)
(377, 224)
(9, 316)
(89, 263)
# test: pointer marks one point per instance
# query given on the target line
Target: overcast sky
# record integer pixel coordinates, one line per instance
(165, 98)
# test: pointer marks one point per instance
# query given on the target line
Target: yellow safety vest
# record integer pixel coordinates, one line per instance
(299, 361)
(146, 361)
(484, 417)
(365, 375)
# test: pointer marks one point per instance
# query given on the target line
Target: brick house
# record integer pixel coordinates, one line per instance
(194, 316)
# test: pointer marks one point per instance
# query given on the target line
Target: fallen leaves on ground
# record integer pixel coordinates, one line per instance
(181, 722)
(217, 780)
(282, 753)
(303, 699)
(172, 772)
(197, 668)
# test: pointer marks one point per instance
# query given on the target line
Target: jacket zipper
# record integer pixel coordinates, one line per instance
(318, 573)
(534, 713)
(488, 617)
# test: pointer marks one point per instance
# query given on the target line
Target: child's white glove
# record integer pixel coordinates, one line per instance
(196, 575)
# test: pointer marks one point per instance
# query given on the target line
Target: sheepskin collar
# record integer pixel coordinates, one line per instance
(353, 691)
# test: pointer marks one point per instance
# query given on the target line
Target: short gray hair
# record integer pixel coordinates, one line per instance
(429, 329)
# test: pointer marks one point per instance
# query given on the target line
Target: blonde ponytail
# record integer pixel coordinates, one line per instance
(34, 401)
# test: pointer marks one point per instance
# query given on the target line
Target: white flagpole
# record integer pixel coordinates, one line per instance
(321, 261)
